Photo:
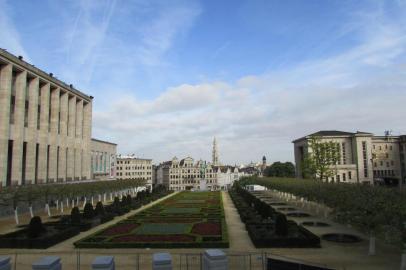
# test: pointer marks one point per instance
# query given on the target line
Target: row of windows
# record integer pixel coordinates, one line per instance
(380, 147)
(384, 173)
(127, 161)
(133, 173)
(388, 164)
(342, 177)
(190, 182)
(134, 167)
(120, 176)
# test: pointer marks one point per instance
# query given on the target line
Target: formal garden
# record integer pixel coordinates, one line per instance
(375, 210)
(185, 220)
(266, 226)
(82, 212)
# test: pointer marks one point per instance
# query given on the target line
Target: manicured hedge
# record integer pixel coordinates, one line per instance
(374, 209)
(261, 222)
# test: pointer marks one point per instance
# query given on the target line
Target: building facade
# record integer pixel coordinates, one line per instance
(130, 167)
(103, 160)
(45, 126)
(363, 156)
(186, 174)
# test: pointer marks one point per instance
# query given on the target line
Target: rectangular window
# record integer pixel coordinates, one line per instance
(39, 117)
(12, 108)
(24, 162)
(344, 153)
(36, 162)
(26, 113)
(344, 177)
(364, 155)
(49, 111)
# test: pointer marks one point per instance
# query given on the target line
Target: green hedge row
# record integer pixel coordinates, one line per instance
(373, 209)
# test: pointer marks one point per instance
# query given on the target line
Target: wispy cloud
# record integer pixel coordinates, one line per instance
(9, 36)
(362, 88)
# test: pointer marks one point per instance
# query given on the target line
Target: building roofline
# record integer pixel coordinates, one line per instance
(40, 73)
(333, 134)
(97, 140)
(130, 157)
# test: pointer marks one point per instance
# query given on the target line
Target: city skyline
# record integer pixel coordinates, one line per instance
(168, 78)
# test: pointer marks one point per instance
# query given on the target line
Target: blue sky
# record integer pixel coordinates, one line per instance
(167, 76)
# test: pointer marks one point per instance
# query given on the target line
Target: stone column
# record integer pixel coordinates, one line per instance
(5, 96)
(71, 138)
(43, 134)
(86, 139)
(63, 136)
(18, 128)
(53, 138)
(78, 140)
(33, 89)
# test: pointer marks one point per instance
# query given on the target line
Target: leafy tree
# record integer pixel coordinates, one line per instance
(321, 159)
(280, 169)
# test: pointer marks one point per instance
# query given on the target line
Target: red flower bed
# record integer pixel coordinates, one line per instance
(120, 229)
(207, 228)
(155, 238)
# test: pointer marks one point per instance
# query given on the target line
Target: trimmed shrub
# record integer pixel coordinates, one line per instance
(116, 202)
(75, 216)
(88, 211)
(35, 228)
(281, 225)
(99, 210)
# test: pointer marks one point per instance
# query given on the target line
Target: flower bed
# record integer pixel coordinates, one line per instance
(188, 220)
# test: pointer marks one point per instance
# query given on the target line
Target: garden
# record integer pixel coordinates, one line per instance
(376, 210)
(43, 235)
(185, 220)
(267, 227)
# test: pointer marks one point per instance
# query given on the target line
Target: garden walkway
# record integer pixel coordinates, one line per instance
(237, 235)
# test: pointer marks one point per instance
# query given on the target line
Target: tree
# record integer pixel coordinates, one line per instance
(321, 159)
(280, 169)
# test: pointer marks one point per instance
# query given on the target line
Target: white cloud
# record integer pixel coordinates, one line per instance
(363, 88)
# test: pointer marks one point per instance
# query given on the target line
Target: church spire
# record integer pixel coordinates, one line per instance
(215, 157)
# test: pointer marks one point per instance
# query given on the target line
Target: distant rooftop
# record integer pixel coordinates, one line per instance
(97, 140)
(131, 157)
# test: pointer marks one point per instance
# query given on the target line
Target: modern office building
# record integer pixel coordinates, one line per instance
(103, 160)
(45, 126)
(363, 156)
(131, 167)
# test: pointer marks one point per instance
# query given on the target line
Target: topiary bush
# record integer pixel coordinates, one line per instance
(281, 225)
(88, 211)
(116, 202)
(35, 228)
(75, 216)
(99, 210)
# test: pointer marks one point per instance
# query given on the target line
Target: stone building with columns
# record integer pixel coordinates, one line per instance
(45, 126)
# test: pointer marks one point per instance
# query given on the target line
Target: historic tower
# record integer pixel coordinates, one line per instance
(215, 156)
(263, 167)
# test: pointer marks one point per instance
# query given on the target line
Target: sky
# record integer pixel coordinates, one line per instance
(168, 76)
